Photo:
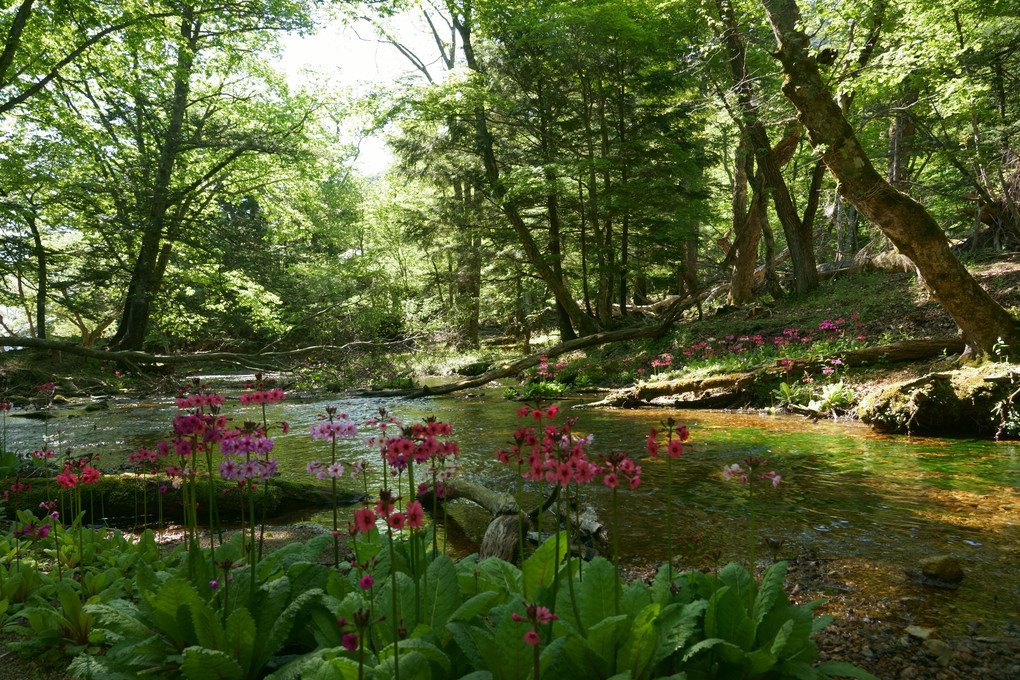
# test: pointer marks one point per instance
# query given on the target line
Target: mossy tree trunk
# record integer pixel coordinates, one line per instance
(902, 219)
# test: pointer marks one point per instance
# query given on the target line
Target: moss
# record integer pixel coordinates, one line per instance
(119, 499)
(970, 400)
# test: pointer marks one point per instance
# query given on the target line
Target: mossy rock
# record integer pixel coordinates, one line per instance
(971, 400)
(120, 499)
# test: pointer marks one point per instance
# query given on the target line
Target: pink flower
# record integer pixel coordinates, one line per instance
(731, 471)
(366, 582)
(611, 480)
(552, 411)
(675, 448)
(396, 521)
(364, 519)
(531, 637)
(415, 515)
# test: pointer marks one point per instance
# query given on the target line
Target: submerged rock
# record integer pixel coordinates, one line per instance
(940, 571)
(942, 567)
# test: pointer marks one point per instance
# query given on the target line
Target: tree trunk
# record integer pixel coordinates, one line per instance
(144, 281)
(799, 241)
(746, 228)
(905, 221)
(498, 194)
(41, 275)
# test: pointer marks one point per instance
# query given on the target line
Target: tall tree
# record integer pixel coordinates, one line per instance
(910, 227)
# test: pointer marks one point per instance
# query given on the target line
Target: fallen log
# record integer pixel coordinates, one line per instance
(735, 383)
(130, 358)
(624, 334)
(501, 539)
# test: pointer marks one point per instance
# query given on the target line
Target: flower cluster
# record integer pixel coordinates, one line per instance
(200, 401)
(330, 430)
(616, 465)
(77, 472)
(272, 396)
(749, 473)
(537, 616)
(5, 405)
(675, 438)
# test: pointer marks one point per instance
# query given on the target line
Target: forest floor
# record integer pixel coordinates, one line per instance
(887, 307)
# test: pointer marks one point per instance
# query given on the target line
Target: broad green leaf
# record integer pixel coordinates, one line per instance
(240, 633)
(841, 669)
(474, 606)
(503, 574)
(442, 594)
(209, 664)
(771, 590)
(737, 577)
(726, 618)
(639, 645)
(596, 593)
(540, 568)
(473, 643)
(413, 666)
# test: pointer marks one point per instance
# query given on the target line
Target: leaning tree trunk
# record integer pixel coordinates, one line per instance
(902, 219)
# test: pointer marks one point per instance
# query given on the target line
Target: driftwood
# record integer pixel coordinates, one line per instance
(631, 333)
(731, 385)
(501, 539)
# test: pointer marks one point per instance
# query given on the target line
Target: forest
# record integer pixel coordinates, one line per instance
(748, 272)
(563, 164)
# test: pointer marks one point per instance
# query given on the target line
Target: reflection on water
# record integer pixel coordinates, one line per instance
(876, 501)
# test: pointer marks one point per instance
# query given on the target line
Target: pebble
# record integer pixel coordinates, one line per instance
(908, 672)
(920, 632)
(866, 652)
(938, 649)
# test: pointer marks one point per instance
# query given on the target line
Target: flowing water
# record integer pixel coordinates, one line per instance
(870, 505)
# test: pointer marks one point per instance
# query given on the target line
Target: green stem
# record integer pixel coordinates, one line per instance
(393, 598)
(616, 552)
(669, 519)
(252, 556)
(520, 528)
(570, 575)
(556, 569)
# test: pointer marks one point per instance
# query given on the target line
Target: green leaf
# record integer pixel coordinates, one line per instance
(737, 577)
(841, 669)
(413, 666)
(540, 568)
(596, 593)
(726, 618)
(474, 606)
(209, 664)
(474, 643)
(240, 633)
(770, 591)
(502, 574)
(639, 646)
(442, 594)
(427, 650)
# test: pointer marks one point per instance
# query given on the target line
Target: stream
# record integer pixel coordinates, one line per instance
(871, 505)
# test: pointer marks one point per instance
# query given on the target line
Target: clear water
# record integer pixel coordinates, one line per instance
(872, 503)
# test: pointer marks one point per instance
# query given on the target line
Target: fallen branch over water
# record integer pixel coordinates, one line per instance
(130, 358)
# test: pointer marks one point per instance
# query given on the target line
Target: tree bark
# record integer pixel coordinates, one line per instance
(134, 323)
(798, 240)
(902, 219)
(582, 323)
